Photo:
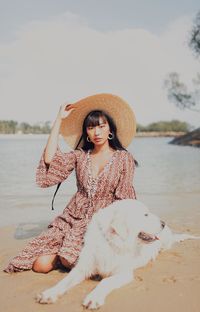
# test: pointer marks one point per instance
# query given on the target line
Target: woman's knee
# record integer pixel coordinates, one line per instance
(44, 264)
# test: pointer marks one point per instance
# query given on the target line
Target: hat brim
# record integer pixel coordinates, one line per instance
(116, 107)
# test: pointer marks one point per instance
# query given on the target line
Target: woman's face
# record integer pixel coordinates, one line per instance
(99, 134)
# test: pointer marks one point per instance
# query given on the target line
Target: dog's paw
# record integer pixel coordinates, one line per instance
(47, 296)
(93, 301)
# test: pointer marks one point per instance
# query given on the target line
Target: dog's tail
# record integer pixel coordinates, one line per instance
(181, 237)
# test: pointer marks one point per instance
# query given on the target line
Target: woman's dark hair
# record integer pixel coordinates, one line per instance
(92, 120)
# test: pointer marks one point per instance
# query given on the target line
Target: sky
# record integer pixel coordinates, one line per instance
(53, 52)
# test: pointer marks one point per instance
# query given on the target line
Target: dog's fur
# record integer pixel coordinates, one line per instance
(113, 248)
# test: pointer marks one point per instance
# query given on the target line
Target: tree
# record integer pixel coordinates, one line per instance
(8, 126)
(177, 91)
(194, 41)
(25, 127)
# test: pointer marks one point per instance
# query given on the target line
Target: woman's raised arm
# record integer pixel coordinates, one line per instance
(52, 142)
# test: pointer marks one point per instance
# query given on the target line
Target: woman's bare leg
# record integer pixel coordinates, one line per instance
(44, 264)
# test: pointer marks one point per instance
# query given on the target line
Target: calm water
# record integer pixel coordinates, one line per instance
(167, 180)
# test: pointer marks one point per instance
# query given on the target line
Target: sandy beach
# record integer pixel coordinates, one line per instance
(171, 283)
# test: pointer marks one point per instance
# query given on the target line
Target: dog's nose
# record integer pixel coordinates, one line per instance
(162, 224)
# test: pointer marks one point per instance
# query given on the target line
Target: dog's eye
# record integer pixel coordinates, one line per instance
(146, 214)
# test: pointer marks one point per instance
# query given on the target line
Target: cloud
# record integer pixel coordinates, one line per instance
(62, 59)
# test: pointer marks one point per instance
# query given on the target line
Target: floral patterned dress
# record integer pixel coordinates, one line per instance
(64, 235)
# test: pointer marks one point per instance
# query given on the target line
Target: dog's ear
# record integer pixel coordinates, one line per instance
(117, 227)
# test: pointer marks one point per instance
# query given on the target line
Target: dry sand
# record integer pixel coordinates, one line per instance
(171, 283)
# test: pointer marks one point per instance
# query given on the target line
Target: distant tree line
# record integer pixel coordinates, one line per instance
(165, 126)
(13, 127)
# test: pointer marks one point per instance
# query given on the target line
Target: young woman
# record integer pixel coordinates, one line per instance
(98, 128)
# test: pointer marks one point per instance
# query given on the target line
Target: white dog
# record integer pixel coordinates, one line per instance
(119, 239)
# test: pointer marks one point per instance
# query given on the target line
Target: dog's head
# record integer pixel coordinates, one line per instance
(127, 222)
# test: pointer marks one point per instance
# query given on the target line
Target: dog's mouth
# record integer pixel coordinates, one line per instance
(148, 238)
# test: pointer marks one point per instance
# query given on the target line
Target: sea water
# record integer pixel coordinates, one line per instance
(167, 180)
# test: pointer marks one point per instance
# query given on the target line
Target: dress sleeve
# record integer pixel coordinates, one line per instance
(125, 187)
(57, 171)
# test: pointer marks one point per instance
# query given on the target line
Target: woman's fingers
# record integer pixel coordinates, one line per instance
(66, 109)
(69, 106)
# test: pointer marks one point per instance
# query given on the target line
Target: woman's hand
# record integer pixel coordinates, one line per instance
(65, 110)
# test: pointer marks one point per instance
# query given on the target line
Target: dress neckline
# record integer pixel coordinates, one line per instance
(107, 165)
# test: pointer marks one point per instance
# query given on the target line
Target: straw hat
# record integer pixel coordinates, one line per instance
(116, 107)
